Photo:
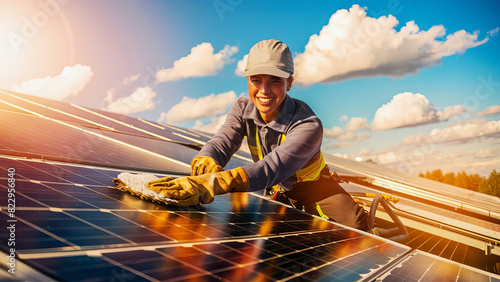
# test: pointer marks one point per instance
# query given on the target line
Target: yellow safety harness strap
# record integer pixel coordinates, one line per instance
(320, 212)
(309, 173)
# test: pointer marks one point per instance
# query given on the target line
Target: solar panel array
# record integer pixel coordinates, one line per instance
(71, 225)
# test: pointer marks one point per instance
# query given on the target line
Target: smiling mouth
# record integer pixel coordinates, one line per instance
(264, 100)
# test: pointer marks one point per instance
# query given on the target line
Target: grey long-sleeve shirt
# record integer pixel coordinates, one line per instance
(303, 136)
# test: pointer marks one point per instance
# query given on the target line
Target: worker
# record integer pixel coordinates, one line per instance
(284, 136)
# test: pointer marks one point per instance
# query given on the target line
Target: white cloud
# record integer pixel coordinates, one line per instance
(356, 123)
(333, 132)
(420, 159)
(207, 106)
(409, 109)
(240, 67)
(347, 139)
(130, 79)
(200, 62)
(354, 136)
(109, 96)
(405, 109)
(493, 32)
(211, 127)
(463, 145)
(70, 82)
(487, 153)
(452, 111)
(493, 110)
(459, 132)
(354, 45)
(140, 100)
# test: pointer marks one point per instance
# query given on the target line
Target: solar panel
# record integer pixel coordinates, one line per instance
(90, 144)
(70, 224)
(421, 266)
(68, 229)
(398, 181)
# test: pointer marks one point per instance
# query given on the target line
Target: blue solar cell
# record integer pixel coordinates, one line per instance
(84, 268)
(27, 237)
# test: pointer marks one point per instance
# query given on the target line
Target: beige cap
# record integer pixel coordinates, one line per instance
(269, 57)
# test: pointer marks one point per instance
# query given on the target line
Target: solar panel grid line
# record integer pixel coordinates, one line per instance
(95, 124)
(46, 107)
(52, 208)
(101, 228)
(11, 110)
(112, 139)
(186, 130)
(454, 250)
(23, 272)
(70, 244)
(149, 133)
(164, 128)
(61, 167)
(55, 253)
(135, 272)
(78, 209)
(230, 261)
(62, 160)
(68, 195)
(296, 275)
(430, 243)
(199, 269)
(63, 115)
(91, 237)
(421, 266)
(198, 141)
(27, 197)
(439, 248)
(22, 109)
(232, 267)
(238, 154)
(59, 111)
(201, 133)
(425, 241)
(122, 123)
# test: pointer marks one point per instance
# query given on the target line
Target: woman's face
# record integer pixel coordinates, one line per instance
(268, 92)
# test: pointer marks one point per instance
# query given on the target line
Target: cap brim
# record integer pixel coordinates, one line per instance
(270, 70)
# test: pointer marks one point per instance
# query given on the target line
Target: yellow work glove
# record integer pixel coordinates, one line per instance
(202, 164)
(191, 190)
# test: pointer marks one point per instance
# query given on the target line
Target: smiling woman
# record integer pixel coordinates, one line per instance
(284, 137)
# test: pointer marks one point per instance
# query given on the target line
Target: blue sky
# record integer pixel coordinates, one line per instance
(413, 85)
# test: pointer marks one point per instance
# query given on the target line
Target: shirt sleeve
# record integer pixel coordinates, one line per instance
(228, 138)
(303, 140)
